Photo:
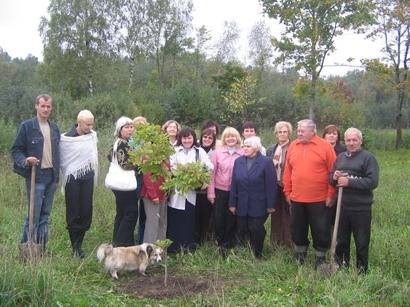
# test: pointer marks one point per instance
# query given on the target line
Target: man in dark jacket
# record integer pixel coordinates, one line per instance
(357, 171)
(37, 143)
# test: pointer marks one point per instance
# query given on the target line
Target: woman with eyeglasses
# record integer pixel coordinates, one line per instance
(203, 208)
(280, 223)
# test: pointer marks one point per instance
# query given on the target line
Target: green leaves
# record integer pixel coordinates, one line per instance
(187, 177)
(151, 150)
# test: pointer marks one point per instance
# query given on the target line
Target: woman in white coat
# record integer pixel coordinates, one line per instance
(181, 207)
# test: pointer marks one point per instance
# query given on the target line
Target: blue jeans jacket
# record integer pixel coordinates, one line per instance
(29, 142)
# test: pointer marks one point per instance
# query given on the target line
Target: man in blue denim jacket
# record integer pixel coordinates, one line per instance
(37, 143)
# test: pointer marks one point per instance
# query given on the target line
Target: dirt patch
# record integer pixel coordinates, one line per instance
(178, 285)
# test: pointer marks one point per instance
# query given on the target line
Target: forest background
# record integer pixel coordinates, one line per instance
(118, 57)
(146, 58)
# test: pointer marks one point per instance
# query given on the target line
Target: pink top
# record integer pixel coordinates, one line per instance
(223, 165)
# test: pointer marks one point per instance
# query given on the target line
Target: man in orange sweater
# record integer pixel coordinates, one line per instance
(306, 186)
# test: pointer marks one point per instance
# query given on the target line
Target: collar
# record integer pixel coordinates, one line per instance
(315, 140)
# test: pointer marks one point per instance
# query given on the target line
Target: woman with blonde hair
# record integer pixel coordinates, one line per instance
(280, 225)
(218, 191)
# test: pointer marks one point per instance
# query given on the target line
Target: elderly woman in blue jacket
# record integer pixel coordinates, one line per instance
(253, 193)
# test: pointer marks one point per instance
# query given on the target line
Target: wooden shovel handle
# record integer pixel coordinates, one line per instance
(336, 227)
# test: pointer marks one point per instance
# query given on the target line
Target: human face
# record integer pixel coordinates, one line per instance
(282, 135)
(331, 137)
(85, 125)
(187, 141)
(249, 151)
(207, 140)
(44, 108)
(231, 140)
(127, 131)
(172, 130)
(248, 132)
(213, 128)
(353, 142)
(305, 134)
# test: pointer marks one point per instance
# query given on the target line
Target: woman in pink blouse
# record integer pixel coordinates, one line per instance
(218, 191)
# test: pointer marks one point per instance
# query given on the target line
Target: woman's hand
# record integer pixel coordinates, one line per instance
(233, 210)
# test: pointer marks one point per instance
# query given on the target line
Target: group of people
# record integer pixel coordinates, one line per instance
(293, 181)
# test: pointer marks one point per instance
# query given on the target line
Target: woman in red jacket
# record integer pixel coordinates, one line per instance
(155, 208)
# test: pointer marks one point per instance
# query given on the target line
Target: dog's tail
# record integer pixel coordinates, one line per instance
(103, 250)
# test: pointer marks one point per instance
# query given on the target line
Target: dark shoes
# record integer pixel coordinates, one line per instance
(319, 261)
(300, 257)
(78, 253)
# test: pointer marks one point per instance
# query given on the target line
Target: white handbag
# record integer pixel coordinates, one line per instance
(118, 178)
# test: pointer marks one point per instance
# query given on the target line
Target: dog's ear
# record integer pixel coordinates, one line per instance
(149, 250)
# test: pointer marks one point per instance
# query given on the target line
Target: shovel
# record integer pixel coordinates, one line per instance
(30, 250)
(330, 268)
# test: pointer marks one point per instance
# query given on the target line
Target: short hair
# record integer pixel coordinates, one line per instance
(210, 123)
(43, 96)
(330, 129)
(354, 131)
(121, 122)
(185, 132)
(210, 132)
(254, 142)
(140, 120)
(249, 125)
(169, 122)
(281, 124)
(228, 131)
(308, 123)
(84, 114)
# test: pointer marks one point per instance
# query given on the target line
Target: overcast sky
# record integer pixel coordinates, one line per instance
(19, 36)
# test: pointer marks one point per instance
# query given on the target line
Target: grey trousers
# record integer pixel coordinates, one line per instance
(156, 222)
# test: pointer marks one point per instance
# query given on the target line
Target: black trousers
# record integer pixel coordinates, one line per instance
(225, 221)
(203, 213)
(79, 206)
(125, 218)
(357, 223)
(181, 228)
(252, 229)
(315, 216)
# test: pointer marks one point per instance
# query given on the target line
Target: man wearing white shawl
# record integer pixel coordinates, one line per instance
(79, 167)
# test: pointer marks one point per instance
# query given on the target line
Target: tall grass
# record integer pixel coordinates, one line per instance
(237, 280)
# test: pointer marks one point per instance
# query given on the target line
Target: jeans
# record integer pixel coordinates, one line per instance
(44, 194)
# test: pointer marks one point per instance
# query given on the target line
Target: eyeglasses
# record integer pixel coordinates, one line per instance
(207, 137)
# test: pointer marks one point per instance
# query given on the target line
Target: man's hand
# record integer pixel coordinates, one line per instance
(233, 210)
(31, 161)
(330, 201)
(270, 210)
(342, 182)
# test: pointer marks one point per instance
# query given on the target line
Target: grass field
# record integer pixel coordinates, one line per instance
(60, 280)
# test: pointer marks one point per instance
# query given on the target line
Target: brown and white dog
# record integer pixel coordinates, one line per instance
(131, 258)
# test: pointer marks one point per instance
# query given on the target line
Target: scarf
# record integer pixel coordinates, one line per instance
(78, 156)
(279, 160)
